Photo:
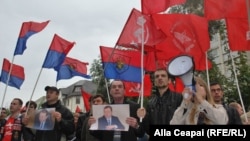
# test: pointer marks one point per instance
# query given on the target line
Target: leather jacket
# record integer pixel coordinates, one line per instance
(65, 126)
(160, 109)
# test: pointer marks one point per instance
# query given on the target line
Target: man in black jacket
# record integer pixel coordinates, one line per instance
(64, 120)
(217, 93)
(162, 105)
(82, 128)
(117, 91)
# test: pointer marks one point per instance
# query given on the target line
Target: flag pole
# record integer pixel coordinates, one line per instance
(107, 88)
(142, 63)
(248, 13)
(34, 90)
(238, 88)
(106, 82)
(208, 81)
(7, 82)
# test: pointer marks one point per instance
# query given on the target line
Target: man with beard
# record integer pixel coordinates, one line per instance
(164, 102)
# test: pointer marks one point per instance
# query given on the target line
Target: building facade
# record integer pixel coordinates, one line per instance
(71, 96)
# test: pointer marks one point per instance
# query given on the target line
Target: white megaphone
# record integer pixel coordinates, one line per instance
(182, 66)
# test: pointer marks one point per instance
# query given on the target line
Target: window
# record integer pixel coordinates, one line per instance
(78, 100)
(77, 88)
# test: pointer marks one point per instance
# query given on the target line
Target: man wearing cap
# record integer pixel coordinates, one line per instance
(64, 120)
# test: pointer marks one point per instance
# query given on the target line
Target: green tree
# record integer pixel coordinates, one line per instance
(243, 76)
(96, 72)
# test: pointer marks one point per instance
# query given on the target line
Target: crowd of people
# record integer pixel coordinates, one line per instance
(205, 106)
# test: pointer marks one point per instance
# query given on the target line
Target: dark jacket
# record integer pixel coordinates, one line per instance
(2, 123)
(102, 123)
(160, 110)
(28, 134)
(131, 134)
(80, 124)
(82, 130)
(65, 126)
(233, 115)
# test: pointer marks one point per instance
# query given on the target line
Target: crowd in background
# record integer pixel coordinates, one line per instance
(204, 106)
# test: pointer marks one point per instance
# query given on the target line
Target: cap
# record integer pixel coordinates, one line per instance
(51, 88)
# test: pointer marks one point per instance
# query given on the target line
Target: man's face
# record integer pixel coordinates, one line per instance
(216, 93)
(240, 109)
(117, 89)
(161, 79)
(15, 106)
(51, 96)
(107, 112)
(3, 114)
(97, 101)
(31, 108)
(42, 117)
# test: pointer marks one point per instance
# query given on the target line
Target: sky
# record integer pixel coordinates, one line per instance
(90, 24)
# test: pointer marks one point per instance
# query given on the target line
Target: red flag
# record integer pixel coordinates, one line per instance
(177, 86)
(237, 29)
(133, 89)
(150, 61)
(78, 110)
(219, 9)
(86, 97)
(137, 23)
(156, 6)
(187, 35)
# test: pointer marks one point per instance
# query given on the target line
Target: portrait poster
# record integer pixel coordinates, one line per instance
(42, 119)
(110, 117)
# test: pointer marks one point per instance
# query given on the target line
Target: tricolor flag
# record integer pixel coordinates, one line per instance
(27, 30)
(16, 76)
(57, 52)
(121, 64)
(72, 67)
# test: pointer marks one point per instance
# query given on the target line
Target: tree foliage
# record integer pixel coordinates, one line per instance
(96, 72)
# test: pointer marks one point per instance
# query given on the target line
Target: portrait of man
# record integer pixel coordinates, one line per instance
(108, 121)
(43, 120)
